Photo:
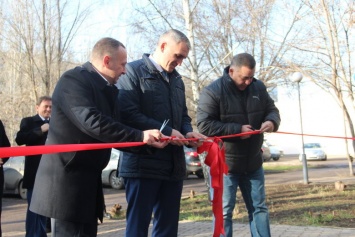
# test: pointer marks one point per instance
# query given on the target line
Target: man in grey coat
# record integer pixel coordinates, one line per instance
(68, 186)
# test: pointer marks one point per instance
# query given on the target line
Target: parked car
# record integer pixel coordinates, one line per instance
(275, 151)
(314, 151)
(266, 152)
(193, 163)
(13, 176)
(14, 169)
(109, 174)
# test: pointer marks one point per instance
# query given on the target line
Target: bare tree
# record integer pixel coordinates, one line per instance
(218, 30)
(35, 40)
(329, 54)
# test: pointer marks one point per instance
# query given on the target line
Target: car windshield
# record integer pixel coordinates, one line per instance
(312, 145)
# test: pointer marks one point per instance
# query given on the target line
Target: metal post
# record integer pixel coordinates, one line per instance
(304, 160)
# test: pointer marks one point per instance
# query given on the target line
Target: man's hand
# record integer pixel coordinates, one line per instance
(45, 127)
(177, 135)
(195, 135)
(246, 128)
(152, 138)
(267, 126)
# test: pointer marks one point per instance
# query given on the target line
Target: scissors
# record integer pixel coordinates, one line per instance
(163, 125)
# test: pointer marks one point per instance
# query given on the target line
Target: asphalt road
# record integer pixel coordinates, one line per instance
(334, 169)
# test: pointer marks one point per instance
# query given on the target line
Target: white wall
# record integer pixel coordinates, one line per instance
(321, 115)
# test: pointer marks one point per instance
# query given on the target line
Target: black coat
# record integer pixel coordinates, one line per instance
(84, 110)
(4, 142)
(146, 101)
(223, 109)
(30, 134)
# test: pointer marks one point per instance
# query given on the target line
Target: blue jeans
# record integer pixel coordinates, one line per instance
(252, 186)
(35, 224)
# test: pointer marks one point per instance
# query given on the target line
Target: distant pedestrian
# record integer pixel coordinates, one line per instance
(33, 132)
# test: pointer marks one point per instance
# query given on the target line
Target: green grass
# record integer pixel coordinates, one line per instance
(281, 168)
(289, 204)
(294, 204)
(276, 168)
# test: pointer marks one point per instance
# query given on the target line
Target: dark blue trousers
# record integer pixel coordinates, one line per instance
(151, 196)
(62, 228)
(35, 224)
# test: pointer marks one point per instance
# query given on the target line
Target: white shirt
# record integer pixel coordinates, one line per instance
(160, 69)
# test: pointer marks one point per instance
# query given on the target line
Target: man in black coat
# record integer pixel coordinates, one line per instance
(68, 185)
(4, 142)
(237, 103)
(33, 132)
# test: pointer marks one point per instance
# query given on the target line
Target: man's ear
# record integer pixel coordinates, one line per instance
(162, 46)
(231, 70)
(106, 60)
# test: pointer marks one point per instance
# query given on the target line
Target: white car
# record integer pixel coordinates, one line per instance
(314, 151)
(13, 176)
(14, 169)
(109, 174)
(266, 152)
(275, 151)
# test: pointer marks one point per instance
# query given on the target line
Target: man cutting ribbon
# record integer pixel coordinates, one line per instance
(233, 104)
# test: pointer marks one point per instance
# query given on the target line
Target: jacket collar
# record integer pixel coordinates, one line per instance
(97, 79)
(153, 70)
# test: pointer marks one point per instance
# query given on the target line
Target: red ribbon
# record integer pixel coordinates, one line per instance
(313, 135)
(215, 159)
(46, 149)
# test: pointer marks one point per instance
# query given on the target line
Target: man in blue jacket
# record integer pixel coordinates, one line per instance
(237, 103)
(152, 92)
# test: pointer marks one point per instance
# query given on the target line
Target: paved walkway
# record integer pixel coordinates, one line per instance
(115, 228)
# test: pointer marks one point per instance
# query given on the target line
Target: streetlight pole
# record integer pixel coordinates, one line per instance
(297, 77)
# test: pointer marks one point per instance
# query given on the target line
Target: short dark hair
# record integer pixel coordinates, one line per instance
(177, 36)
(105, 46)
(243, 59)
(43, 98)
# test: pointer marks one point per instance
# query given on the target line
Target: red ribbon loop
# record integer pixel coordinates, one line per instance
(215, 159)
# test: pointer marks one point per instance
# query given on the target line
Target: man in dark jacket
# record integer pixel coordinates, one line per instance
(68, 185)
(33, 132)
(152, 92)
(233, 104)
(4, 142)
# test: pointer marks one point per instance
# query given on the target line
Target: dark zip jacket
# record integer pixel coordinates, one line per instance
(146, 100)
(223, 109)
